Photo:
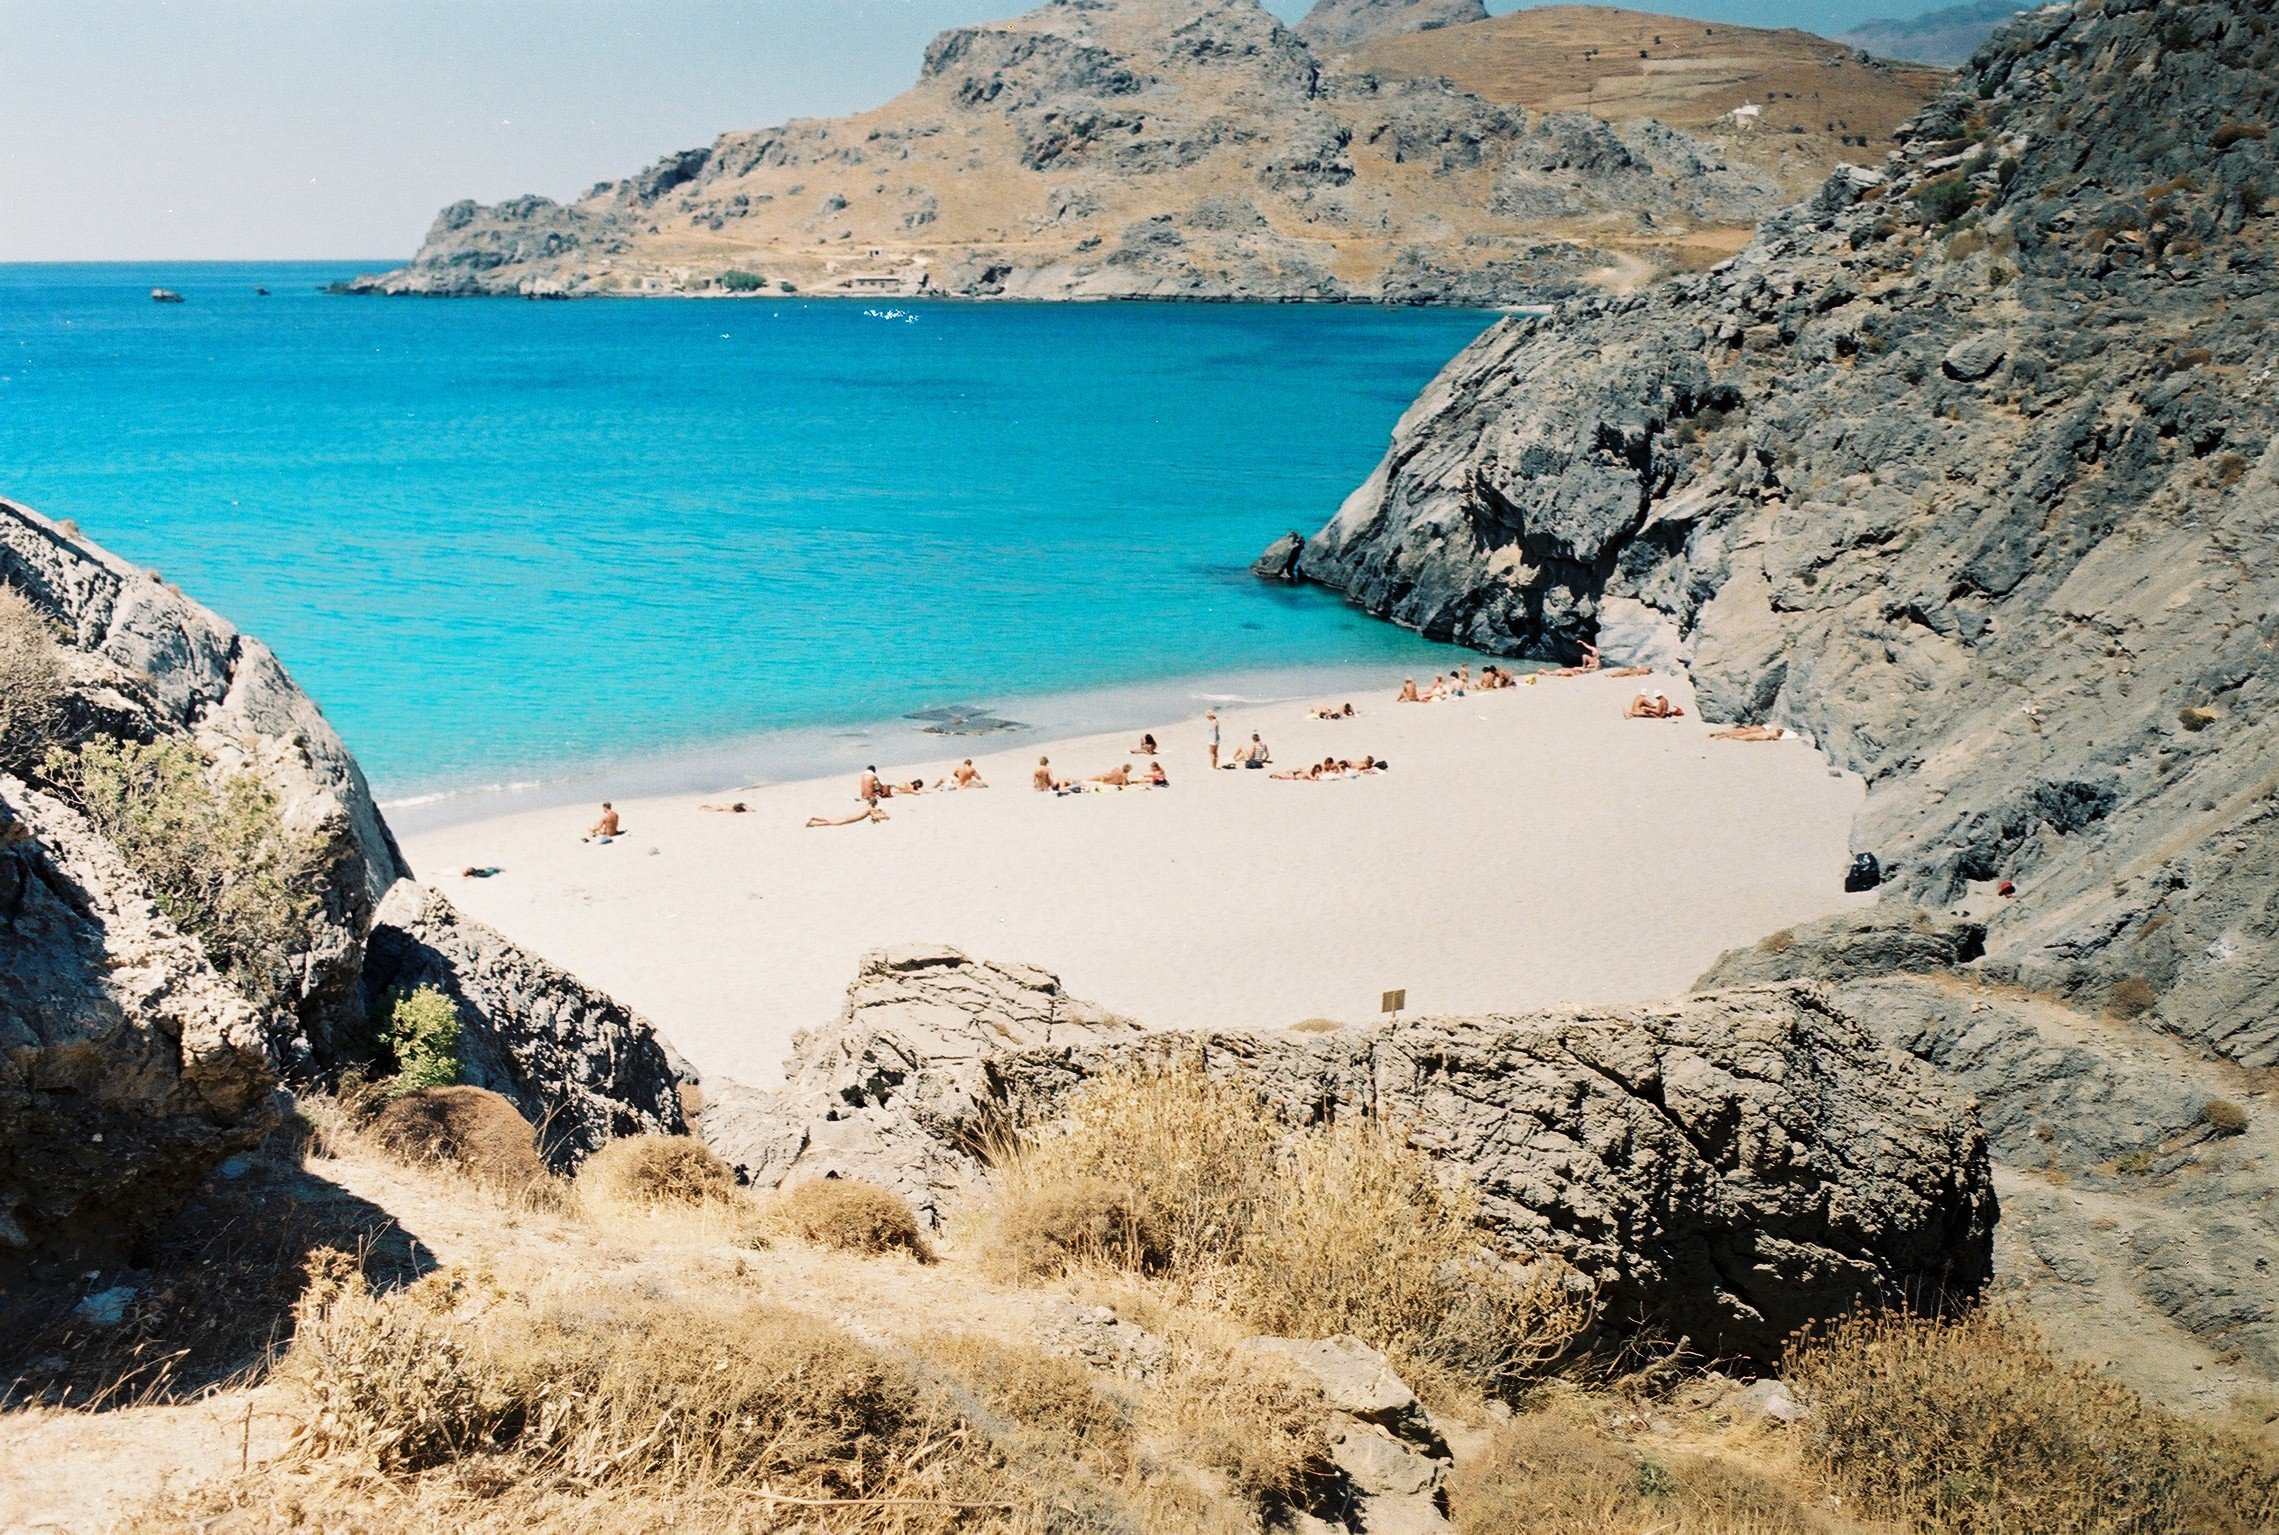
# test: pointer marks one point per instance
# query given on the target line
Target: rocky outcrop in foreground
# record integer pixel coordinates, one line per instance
(581, 1066)
(128, 1068)
(145, 663)
(1128, 149)
(1725, 1168)
(1965, 469)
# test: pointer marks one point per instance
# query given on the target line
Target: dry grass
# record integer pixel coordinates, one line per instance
(31, 683)
(1336, 1229)
(468, 1129)
(849, 1215)
(1551, 1478)
(643, 1172)
(1247, 1419)
(1052, 1398)
(1970, 1428)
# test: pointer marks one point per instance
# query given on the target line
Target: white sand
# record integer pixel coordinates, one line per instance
(1530, 846)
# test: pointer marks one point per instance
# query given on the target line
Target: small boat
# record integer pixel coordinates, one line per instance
(261, 293)
(165, 296)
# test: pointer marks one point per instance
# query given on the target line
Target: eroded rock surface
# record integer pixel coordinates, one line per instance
(1334, 24)
(128, 1068)
(146, 663)
(1726, 1167)
(1965, 469)
(581, 1066)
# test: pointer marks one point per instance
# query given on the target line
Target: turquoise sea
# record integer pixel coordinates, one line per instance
(504, 541)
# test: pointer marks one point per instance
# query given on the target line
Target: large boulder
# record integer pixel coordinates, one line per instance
(128, 1068)
(1724, 1167)
(147, 663)
(582, 1066)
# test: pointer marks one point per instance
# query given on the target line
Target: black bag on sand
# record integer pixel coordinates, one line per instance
(1865, 874)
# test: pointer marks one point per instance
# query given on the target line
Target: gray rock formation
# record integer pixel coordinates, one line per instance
(1848, 947)
(1334, 24)
(128, 1069)
(1393, 1462)
(583, 1068)
(1725, 1167)
(1945, 37)
(1963, 468)
(147, 663)
(1131, 148)
(1279, 562)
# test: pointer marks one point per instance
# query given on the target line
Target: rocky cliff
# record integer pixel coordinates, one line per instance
(1725, 1168)
(1965, 469)
(1128, 148)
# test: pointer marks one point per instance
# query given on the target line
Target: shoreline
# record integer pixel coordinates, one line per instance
(767, 758)
(1529, 847)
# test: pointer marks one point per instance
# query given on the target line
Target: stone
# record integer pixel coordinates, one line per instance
(1280, 561)
(128, 1069)
(1724, 1168)
(106, 1308)
(1391, 1457)
(148, 663)
(1769, 1399)
(1354, 1378)
(1851, 946)
(1972, 358)
(573, 1061)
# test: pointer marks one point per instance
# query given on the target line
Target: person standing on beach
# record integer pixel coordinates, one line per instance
(1211, 718)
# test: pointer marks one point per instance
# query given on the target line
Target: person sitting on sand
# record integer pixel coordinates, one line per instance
(867, 813)
(1121, 778)
(1750, 733)
(1408, 693)
(1656, 706)
(1156, 777)
(1146, 748)
(1252, 753)
(1461, 683)
(1042, 778)
(737, 808)
(606, 829)
(1438, 690)
(1583, 668)
(967, 776)
(868, 788)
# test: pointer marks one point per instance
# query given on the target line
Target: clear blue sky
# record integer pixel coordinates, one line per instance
(197, 129)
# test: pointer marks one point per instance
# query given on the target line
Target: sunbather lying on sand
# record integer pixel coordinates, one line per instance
(1632, 671)
(1333, 712)
(1750, 733)
(867, 813)
(1655, 706)
(738, 807)
(1584, 668)
(1121, 778)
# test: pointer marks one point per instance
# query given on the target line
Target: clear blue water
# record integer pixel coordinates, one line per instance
(499, 538)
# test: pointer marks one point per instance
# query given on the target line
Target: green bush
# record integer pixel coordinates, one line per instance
(742, 282)
(1945, 200)
(423, 1033)
(31, 683)
(217, 856)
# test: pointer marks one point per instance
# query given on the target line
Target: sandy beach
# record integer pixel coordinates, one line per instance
(1529, 846)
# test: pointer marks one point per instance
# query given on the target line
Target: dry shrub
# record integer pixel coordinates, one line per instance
(1337, 1229)
(2224, 1116)
(469, 1129)
(31, 683)
(1166, 1164)
(1051, 1399)
(608, 1389)
(1969, 1427)
(1248, 1419)
(1551, 1478)
(1358, 1235)
(643, 1172)
(2132, 997)
(1778, 943)
(852, 1216)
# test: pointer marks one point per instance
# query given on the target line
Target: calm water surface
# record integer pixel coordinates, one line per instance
(500, 538)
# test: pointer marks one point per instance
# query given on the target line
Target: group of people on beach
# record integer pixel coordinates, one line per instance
(1455, 684)
(1151, 777)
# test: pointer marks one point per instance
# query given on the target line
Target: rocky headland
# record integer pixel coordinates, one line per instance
(1963, 468)
(1192, 149)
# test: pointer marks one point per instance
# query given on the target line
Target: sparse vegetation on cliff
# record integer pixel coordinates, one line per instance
(217, 856)
(31, 684)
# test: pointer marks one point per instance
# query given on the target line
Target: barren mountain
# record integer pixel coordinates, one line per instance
(1946, 37)
(1817, 103)
(1342, 23)
(1135, 148)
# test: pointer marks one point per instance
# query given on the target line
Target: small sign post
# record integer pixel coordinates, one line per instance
(1394, 1001)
